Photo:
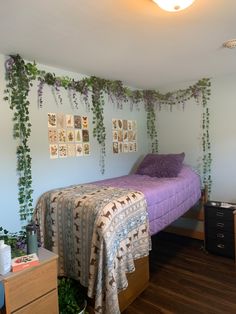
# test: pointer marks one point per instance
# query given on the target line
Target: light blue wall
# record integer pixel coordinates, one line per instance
(181, 131)
(48, 173)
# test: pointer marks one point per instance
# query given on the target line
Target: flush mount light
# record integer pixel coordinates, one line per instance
(230, 44)
(173, 5)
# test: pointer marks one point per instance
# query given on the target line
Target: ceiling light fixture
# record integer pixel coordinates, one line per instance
(173, 5)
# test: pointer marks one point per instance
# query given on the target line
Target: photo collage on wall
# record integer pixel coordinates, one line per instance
(124, 134)
(68, 135)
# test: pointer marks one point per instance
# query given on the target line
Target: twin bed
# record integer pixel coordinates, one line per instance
(102, 230)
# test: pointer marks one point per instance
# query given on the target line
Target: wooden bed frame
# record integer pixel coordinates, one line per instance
(138, 280)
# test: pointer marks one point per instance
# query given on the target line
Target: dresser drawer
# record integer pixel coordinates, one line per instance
(219, 225)
(218, 213)
(220, 246)
(23, 288)
(220, 235)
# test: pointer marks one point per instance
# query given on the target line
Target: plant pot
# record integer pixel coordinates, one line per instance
(84, 309)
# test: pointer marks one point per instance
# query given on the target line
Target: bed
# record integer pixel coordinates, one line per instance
(102, 230)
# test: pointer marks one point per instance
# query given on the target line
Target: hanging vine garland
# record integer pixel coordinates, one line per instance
(20, 76)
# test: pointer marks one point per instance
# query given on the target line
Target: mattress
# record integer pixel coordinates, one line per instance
(167, 198)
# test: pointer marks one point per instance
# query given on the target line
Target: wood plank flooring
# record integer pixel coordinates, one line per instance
(184, 279)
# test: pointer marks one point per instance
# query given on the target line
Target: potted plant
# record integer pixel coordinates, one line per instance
(71, 297)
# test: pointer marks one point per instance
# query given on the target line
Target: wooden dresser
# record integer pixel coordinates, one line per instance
(220, 228)
(33, 290)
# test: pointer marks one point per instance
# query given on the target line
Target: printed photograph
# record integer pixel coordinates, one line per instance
(78, 135)
(84, 122)
(85, 135)
(120, 136)
(61, 123)
(62, 149)
(125, 136)
(79, 150)
(70, 135)
(86, 148)
(134, 136)
(71, 150)
(61, 135)
(120, 147)
(115, 136)
(125, 124)
(53, 149)
(115, 147)
(52, 135)
(114, 124)
(69, 121)
(126, 148)
(52, 120)
(120, 124)
(77, 122)
(135, 147)
(131, 147)
(129, 125)
(130, 136)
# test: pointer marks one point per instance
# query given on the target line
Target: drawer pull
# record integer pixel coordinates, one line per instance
(220, 246)
(220, 224)
(220, 235)
(219, 214)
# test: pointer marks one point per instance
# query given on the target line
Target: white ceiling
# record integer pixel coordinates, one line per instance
(129, 40)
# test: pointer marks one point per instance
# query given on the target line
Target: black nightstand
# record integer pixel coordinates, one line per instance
(220, 228)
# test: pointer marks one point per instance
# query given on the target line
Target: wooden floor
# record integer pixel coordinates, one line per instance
(185, 279)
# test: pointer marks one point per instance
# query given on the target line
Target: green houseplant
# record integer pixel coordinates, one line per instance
(71, 296)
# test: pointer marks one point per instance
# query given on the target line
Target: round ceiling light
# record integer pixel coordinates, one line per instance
(173, 5)
(230, 44)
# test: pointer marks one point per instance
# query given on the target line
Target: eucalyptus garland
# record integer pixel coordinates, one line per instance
(20, 76)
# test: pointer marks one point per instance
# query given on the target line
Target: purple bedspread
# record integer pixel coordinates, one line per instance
(167, 198)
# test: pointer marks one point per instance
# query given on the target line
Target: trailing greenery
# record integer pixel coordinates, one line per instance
(20, 77)
(71, 296)
(16, 240)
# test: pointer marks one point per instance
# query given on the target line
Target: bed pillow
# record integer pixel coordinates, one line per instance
(161, 165)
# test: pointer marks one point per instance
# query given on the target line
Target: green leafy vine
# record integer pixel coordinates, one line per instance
(20, 76)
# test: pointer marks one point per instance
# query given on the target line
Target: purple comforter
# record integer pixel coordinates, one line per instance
(167, 198)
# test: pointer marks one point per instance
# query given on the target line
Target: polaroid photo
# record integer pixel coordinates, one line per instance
(131, 147)
(120, 135)
(135, 147)
(120, 124)
(120, 147)
(52, 120)
(129, 125)
(130, 136)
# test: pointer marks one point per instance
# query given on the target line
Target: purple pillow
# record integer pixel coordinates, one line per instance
(161, 165)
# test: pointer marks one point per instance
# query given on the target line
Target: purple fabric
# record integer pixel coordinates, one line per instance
(161, 165)
(167, 198)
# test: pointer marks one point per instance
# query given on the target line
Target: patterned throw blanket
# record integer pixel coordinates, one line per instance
(97, 232)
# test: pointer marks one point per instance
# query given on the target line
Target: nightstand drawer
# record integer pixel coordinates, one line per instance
(219, 213)
(219, 225)
(220, 246)
(220, 235)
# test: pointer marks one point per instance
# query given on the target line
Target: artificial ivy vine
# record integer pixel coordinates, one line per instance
(20, 76)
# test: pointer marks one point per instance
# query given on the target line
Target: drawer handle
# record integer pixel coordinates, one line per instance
(220, 224)
(220, 235)
(219, 214)
(220, 246)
